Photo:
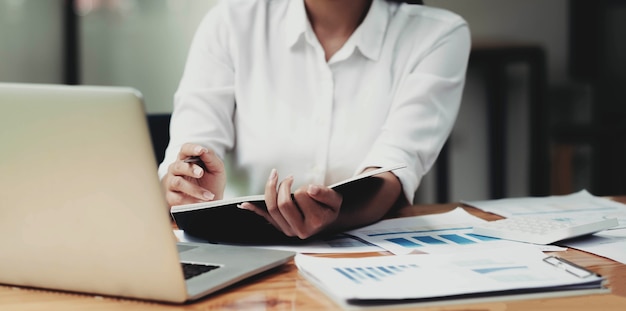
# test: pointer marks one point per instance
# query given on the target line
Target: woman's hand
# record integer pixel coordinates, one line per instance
(187, 183)
(307, 212)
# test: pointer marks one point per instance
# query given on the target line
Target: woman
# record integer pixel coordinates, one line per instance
(318, 90)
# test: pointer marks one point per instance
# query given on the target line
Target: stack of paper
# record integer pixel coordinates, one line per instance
(519, 271)
(580, 206)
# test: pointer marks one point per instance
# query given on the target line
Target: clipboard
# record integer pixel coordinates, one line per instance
(569, 266)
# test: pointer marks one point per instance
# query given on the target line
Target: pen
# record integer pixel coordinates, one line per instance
(197, 161)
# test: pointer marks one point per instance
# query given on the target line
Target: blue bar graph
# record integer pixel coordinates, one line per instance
(482, 237)
(376, 271)
(367, 273)
(404, 242)
(347, 274)
(457, 239)
(429, 240)
(385, 270)
(425, 239)
(361, 275)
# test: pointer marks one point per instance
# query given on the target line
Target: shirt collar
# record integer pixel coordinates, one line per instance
(368, 37)
(296, 22)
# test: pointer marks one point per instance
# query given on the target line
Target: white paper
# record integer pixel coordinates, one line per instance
(577, 207)
(608, 243)
(449, 232)
(437, 275)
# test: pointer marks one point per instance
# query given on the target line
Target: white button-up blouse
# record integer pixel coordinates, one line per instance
(257, 89)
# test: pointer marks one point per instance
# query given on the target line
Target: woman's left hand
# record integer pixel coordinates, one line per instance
(306, 212)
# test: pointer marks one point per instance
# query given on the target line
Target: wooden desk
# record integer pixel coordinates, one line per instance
(285, 289)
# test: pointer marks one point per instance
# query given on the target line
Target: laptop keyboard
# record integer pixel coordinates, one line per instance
(190, 270)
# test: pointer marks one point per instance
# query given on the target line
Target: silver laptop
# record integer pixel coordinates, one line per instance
(81, 207)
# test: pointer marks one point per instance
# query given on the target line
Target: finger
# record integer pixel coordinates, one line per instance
(185, 187)
(270, 190)
(319, 206)
(313, 215)
(197, 161)
(207, 159)
(178, 198)
(181, 168)
(189, 150)
(271, 196)
(212, 163)
(259, 211)
(288, 206)
(325, 196)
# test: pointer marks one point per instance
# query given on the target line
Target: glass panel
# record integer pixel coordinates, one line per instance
(138, 43)
(30, 41)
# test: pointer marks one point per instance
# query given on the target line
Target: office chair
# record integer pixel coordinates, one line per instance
(159, 125)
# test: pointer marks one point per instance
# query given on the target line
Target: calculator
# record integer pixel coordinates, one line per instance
(541, 230)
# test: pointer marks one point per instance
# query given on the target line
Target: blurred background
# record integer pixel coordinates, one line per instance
(543, 112)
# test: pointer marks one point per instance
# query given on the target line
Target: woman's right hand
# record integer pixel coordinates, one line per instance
(187, 183)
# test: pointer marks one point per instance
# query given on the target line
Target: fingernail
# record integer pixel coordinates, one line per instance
(272, 174)
(208, 195)
(246, 205)
(313, 189)
(197, 171)
(198, 149)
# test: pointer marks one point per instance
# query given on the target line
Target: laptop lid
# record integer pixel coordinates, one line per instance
(81, 207)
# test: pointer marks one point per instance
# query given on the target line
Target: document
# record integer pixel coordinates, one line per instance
(517, 271)
(579, 206)
(449, 232)
(608, 243)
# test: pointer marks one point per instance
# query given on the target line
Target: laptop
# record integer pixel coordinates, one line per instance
(81, 206)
